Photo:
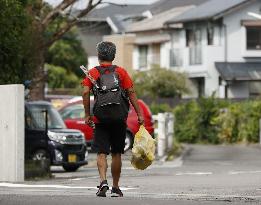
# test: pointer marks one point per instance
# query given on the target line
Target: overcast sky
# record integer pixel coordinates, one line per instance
(83, 2)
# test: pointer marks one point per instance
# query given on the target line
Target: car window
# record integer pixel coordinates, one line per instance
(74, 111)
(66, 112)
(75, 114)
(36, 115)
(29, 123)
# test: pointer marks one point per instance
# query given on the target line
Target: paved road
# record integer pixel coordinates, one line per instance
(205, 175)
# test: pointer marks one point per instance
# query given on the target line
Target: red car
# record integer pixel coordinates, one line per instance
(73, 116)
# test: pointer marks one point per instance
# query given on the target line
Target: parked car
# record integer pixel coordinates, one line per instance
(46, 137)
(73, 116)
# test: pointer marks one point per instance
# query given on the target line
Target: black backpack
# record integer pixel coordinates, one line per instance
(110, 100)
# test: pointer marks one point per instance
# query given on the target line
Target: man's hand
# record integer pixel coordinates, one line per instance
(140, 120)
(88, 121)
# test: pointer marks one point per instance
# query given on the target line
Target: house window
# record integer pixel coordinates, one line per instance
(143, 54)
(193, 41)
(210, 35)
(255, 89)
(253, 38)
(189, 37)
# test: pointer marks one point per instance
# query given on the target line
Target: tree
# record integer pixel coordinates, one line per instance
(58, 77)
(16, 61)
(160, 82)
(67, 53)
(44, 18)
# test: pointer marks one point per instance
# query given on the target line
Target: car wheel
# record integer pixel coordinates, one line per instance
(70, 168)
(128, 141)
(40, 154)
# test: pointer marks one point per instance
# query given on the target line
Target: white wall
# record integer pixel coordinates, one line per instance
(135, 58)
(237, 33)
(12, 133)
(92, 61)
(164, 55)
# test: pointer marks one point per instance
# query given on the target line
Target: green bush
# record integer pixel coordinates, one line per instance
(249, 128)
(160, 82)
(240, 122)
(196, 122)
(227, 123)
(186, 122)
(214, 121)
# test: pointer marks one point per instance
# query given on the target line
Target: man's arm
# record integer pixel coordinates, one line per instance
(86, 104)
(134, 102)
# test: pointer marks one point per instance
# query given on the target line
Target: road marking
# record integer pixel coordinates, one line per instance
(77, 179)
(194, 196)
(11, 185)
(193, 173)
(244, 172)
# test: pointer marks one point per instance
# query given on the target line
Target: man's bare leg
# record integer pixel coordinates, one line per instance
(102, 165)
(116, 169)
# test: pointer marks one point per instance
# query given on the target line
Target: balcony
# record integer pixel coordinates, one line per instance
(195, 55)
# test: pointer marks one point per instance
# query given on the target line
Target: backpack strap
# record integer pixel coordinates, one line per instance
(102, 70)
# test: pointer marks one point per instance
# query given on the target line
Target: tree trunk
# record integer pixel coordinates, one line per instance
(38, 83)
(39, 75)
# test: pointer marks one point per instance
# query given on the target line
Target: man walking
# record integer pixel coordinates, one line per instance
(109, 84)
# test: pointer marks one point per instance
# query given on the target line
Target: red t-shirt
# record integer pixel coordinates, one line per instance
(125, 80)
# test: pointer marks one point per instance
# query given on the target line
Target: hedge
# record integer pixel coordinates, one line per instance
(217, 121)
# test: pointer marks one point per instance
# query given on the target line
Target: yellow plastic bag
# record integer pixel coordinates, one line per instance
(143, 151)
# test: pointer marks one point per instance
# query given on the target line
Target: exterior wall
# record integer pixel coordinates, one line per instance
(12, 133)
(236, 33)
(135, 58)
(92, 61)
(124, 44)
(164, 55)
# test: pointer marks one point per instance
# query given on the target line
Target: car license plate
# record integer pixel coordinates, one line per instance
(72, 158)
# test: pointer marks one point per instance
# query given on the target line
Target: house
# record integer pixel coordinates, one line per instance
(107, 20)
(147, 38)
(218, 44)
(151, 38)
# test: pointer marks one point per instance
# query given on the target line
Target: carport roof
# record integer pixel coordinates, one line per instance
(240, 71)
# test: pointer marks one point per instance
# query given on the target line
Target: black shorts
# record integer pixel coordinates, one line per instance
(109, 138)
